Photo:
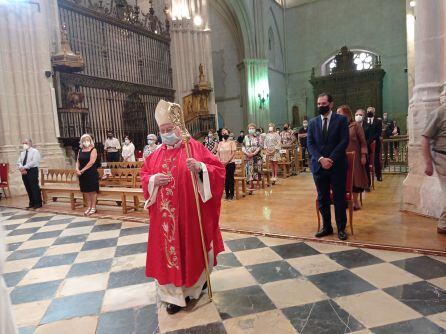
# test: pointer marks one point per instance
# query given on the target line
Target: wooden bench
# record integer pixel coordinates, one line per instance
(117, 187)
(122, 164)
(240, 174)
(266, 169)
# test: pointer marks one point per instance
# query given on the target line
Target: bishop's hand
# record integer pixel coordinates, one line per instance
(193, 165)
(161, 179)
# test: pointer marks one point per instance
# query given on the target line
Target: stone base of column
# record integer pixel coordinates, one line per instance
(421, 194)
(53, 156)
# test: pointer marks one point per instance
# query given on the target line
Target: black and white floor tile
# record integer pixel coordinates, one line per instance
(79, 275)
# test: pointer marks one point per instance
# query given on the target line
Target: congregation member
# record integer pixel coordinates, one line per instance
(152, 145)
(302, 137)
(433, 144)
(86, 169)
(272, 146)
(175, 256)
(211, 142)
(358, 145)
(287, 136)
(128, 150)
(225, 152)
(112, 147)
(28, 165)
(240, 137)
(327, 140)
(373, 127)
(254, 163)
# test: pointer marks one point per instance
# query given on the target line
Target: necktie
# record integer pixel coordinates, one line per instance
(26, 158)
(325, 129)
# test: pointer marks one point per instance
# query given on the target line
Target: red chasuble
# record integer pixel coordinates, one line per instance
(174, 252)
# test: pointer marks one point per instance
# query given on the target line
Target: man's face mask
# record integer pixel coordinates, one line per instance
(170, 138)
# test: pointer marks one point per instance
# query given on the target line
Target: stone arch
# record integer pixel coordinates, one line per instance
(277, 37)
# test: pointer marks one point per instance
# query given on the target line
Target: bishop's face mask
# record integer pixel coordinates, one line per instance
(170, 138)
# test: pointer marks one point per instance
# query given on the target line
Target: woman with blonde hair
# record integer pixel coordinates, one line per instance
(87, 172)
(251, 149)
(272, 146)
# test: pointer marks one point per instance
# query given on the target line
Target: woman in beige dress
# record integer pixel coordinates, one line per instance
(357, 144)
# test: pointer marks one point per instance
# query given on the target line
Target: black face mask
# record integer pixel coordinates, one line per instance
(285, 128)
(225, 137)
(323, 109)
(370, 114)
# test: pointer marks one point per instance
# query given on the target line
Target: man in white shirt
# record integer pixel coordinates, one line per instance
(28, 165)
(112, 147)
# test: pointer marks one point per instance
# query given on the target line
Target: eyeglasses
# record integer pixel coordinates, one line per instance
(168, 130)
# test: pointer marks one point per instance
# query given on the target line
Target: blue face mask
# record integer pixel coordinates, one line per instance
(169, 138)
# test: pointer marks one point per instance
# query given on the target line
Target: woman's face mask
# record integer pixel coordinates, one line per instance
(358, 118)
(127, 141)
(86, 143)
(150, 141)
(305, 124)
(170, 138)
(251, 131)
(270, 129)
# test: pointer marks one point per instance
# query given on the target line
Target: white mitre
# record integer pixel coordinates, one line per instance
(162, 112)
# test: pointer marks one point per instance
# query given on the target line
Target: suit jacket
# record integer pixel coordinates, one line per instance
(372, 131)
(333, 147)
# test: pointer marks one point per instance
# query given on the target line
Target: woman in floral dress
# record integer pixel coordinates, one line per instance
(272, 146)
(251, 149)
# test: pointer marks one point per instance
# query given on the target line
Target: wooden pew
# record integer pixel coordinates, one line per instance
(240, 174)
(266, 169)
(116, 188)
(123, 164)
(285, 162)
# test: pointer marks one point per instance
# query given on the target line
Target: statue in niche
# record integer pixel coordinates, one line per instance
(201, 73)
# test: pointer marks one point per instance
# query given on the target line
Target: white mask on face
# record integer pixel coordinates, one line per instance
(25, 146)
(305, 124)
(170, 138)
(149, 141)
(251, 131)
(358, 118)
(86, 143)
(270, 129)
(127, 141)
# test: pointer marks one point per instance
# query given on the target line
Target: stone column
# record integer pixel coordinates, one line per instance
(27, 104)
(190, 47)
(255, 76)
(422, 194)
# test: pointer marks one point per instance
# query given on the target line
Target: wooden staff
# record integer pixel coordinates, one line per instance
(177, 117)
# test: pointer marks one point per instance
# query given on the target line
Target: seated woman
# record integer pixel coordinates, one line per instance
(272, 146)
(225, 153)
(251, 149)
(128, 150)
(152, 145)
(86, 169)
(357, 144)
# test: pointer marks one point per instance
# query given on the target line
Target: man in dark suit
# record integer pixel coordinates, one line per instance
(327, 140)
(373, 128)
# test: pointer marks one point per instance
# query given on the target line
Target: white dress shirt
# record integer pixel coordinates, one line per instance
(328, 117)
(370, 120)
(32, 161)
(112, 145)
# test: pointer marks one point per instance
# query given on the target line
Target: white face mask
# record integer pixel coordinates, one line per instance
(358, 118)
(251, 131)
(86, 143)
(25, 146)
(150, 141)
(270, 129)
(170, 138)
(127, 141)
(305, 124)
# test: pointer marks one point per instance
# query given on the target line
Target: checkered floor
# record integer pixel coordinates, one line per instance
(79, 275)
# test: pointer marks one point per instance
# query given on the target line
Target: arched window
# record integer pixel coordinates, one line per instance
(363, 59)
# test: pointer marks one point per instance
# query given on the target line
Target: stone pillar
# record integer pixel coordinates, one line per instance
(422, 194)
(255, 76)
(190, 47)
(27, 103)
